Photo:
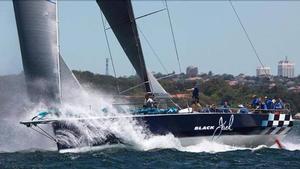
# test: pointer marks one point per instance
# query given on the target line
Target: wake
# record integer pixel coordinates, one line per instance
(170, 142)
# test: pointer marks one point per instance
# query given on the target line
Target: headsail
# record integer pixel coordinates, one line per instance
(120, 16)
(68, 83)
(156, 88)
(37, 28)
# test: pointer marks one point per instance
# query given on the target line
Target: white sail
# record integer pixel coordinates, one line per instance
(70, 86)
(156, 87)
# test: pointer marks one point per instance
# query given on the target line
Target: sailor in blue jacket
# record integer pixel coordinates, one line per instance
(278, 104)
(269, 103)
(263, 106)
(255, 102)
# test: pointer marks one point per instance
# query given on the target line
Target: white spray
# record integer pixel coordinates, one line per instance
(15, 137)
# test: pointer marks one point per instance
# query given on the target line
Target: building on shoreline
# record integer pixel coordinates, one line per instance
(191, 71)
(263, 71)
(286, 68)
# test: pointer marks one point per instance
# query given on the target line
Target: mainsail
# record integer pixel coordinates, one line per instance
(120, 16)
(37, 28)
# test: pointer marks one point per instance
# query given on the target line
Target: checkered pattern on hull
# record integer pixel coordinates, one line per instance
(277, 124)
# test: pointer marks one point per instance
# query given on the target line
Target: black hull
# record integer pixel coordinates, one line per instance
(194, 126)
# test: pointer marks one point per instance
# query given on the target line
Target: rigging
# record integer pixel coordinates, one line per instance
(145, 15)
(152, 49)
(110, 55)
(248, 37)
(172, 31)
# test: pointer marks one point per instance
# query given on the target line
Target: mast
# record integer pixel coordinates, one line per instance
(120, 17)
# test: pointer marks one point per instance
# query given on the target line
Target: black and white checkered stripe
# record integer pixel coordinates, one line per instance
(277, 124)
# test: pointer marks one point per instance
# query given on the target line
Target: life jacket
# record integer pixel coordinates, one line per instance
(269, 104)
(278, 105)
(263, 106)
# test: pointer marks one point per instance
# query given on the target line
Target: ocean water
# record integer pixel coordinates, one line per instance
(162, 152)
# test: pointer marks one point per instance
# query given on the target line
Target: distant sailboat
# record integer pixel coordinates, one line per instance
(249, 129)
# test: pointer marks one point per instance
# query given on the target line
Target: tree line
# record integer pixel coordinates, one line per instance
(214, 89)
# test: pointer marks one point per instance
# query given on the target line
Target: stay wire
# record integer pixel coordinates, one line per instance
(248, 37)
(172, 31)
(46, 133)
(152, 49)
(110, 55)
(43, 134)
(140, 84)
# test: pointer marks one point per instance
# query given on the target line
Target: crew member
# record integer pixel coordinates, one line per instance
(263, 105)
(149, 102)
(255, 102)
(278, 104)
(195, 96)
(242, 109)
(196, 106)
(226, 107)
(269, 103)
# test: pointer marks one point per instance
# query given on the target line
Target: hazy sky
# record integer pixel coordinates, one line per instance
(207, 34)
